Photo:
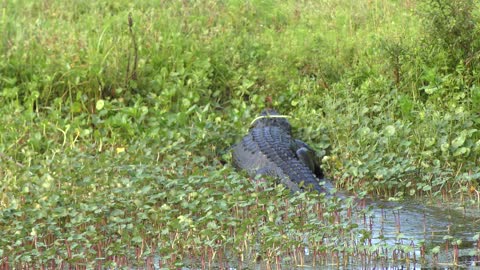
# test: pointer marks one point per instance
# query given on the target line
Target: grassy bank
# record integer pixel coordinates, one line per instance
(95, 105)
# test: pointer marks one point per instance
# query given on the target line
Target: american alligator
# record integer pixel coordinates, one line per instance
(270, 150)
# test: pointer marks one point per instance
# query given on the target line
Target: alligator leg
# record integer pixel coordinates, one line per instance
(307, 157)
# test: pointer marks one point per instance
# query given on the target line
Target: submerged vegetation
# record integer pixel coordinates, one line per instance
(117, 119)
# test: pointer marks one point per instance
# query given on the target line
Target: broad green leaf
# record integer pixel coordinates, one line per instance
(363, 131)
(429, 142)
(461, 151)
(435, 250)
(390, 130)
(459, 141)
(100, 104)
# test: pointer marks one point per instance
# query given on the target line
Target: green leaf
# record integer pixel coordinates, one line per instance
(76, 107)
(427, 188)
(459, 141)
(444, 147)
(430, 90)
(390, 130)
(137, 239)
(461, 151)
(364, 131)
(100, 104)
(476, 237)
(117, 212)
(429, 142)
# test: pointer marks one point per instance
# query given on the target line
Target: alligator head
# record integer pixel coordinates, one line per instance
(270, 118)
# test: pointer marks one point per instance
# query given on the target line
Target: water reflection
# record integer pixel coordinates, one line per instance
(403, 235)
(443, 233)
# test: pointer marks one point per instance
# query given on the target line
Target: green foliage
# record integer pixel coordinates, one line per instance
(387, 91)
(452, 27)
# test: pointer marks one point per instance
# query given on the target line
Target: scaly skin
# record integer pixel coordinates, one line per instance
(269, 150)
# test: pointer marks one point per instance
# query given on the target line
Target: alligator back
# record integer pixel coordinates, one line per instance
(270, 151)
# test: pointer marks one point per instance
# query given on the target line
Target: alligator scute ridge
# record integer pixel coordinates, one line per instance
(270, 150)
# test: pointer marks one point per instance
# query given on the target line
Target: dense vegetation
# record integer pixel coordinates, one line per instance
(117, 118)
